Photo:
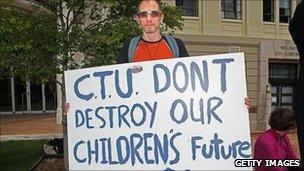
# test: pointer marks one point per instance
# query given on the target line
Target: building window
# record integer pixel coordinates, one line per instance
(268, 10)
(231, 9)
(189, 7)
(285, 12)
(282, 78)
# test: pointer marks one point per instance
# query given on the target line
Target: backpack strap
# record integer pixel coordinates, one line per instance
(173, 45)
(132, 48)
(169, 39)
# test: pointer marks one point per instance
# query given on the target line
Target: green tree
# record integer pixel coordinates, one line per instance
(28, 48)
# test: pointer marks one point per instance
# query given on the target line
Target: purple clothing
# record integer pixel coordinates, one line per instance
(271, 145)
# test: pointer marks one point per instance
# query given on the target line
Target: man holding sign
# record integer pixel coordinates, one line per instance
(178, 113)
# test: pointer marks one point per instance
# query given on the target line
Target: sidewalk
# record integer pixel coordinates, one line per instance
(44, 126)
(29, 126)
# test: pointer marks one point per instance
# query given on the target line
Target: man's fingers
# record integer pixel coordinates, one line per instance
(247, 102)
(66, 108)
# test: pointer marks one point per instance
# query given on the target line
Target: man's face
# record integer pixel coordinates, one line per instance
(149, 16)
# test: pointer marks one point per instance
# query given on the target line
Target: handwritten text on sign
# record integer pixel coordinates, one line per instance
(184, 113)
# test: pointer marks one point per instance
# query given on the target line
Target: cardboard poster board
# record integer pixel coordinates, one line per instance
(179, 114)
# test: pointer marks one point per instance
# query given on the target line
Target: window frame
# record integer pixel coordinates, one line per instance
(272, 11)
(288, 16)
(283, 82)
(237, 11)
(180, 3)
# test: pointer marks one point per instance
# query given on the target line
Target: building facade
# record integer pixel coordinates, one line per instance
(258, 28)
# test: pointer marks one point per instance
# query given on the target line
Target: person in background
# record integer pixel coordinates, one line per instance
(274, 143)
(296, 29)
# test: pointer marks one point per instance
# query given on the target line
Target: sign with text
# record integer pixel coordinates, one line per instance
(179, 114)
(285, 49)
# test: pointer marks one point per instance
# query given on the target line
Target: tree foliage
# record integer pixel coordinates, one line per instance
(28, 46)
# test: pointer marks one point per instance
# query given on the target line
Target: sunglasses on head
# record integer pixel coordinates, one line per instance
(144, 14)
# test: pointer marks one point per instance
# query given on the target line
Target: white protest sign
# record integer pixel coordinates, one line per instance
(182, 113)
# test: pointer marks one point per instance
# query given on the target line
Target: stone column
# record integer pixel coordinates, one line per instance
(268, 105)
